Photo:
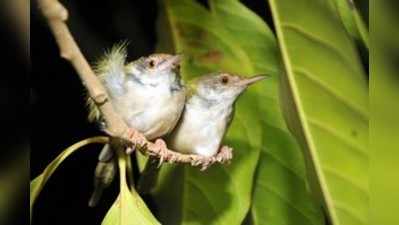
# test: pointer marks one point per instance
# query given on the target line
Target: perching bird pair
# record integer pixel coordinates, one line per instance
(151, 98)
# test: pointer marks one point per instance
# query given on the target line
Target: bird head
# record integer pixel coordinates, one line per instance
(155, 69)
(223, 87)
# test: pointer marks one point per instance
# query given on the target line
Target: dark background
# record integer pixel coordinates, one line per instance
(14, 118)
(58, 104)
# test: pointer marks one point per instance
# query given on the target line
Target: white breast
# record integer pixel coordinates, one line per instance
(201, 130)
(154, 111)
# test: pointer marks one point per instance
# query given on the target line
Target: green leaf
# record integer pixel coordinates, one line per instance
(384, 110)
(129, 208)
(141, 160)
(37, 184)
(280, 195)
(361, 28)
(384, 92)
(326, 105)
(229, 37)
(352, 20)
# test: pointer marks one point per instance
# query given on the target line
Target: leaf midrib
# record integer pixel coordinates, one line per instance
(297, 103)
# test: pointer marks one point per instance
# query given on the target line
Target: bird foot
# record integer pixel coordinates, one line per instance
(224, 155)
(203, 161)
(137, 138)
(163, 151)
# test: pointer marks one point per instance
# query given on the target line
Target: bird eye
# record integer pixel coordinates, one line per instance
(225, 80)
(151, 64)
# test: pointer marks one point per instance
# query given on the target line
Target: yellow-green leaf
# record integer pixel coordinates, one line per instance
(326, 104)
(129, 208)
(352, 20)
(384, 110)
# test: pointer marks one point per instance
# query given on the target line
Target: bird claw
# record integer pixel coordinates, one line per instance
(203, 161)
(225, 154)
(163, 151)
(206, 163)
(196, 160)
(137, 138)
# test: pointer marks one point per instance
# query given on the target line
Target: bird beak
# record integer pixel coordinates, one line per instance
(251, 80)
(171, 62)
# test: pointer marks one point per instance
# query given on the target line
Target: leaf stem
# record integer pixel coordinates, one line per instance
(122, 167)
(122, 182)
(130, 177)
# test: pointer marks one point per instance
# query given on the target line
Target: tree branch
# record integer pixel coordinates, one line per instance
(56, 16)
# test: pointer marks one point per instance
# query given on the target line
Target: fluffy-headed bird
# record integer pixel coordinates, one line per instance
(147, 93)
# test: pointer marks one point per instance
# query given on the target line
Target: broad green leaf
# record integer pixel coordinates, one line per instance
(229, 37)
(352, 20)
(384, 92)
(326, 105)
(129, 208)
(37, 184)
(280, 196)
(384, 109)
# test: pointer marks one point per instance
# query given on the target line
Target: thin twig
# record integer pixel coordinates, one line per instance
(57, 15)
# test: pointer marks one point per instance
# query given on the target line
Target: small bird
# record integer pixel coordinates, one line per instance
(147, 93)
(207, 115)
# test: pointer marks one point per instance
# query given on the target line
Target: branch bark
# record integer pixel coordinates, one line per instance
(57, 15)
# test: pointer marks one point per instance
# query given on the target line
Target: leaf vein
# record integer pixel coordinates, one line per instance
(318, 40)
(335, 133)
(276, 159)
(350, 105)
(208, 199)
(350, 211)
(288, 203)
(346, 179)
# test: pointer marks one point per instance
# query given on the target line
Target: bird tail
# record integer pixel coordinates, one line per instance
(103, 175)
(96, 196)
(148, 177)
